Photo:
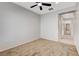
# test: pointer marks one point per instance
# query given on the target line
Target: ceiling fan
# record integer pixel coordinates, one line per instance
(40, 4)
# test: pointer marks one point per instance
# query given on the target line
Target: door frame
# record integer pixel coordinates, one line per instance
(60, 22)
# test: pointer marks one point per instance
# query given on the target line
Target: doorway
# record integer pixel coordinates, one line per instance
(65, 27)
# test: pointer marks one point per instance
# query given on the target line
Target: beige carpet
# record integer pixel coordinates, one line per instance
(42, 47)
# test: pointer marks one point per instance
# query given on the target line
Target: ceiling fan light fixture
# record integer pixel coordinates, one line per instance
(39, 4)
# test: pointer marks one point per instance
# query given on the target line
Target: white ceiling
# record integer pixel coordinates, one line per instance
(36, 9)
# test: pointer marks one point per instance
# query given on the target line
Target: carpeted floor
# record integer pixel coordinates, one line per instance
(42, 47)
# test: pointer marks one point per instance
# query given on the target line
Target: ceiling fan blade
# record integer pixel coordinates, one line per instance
(40, 7)
(33, 6)
(46, 4)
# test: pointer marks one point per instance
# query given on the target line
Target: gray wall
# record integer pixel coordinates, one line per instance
(76, 28)
(49, 26)
(17, 25)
